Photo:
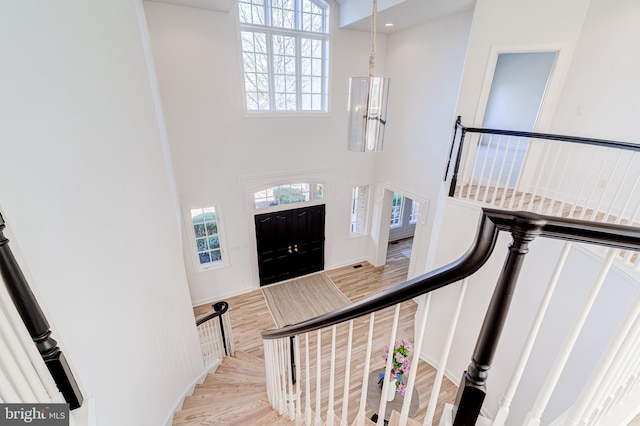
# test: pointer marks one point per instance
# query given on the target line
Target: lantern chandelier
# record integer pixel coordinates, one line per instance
(368, 103)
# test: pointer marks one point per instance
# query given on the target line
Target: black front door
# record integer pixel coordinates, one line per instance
(290, 243)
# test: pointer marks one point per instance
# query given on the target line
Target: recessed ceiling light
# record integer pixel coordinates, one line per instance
(389, 24)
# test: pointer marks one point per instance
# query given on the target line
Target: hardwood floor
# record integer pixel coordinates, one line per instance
(250, 316)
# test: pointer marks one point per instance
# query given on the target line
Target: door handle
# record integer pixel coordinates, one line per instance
(290, 249)
(295, 248)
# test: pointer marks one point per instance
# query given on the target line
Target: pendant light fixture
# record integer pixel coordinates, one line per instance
(368, 103)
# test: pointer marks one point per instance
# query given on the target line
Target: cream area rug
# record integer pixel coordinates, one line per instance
(303, 298)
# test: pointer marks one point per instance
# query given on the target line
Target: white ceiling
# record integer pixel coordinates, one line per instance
(356, 14)
(408, 13)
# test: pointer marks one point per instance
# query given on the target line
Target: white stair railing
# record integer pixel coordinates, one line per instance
(216, 335)
(614, 383)
(28, 378)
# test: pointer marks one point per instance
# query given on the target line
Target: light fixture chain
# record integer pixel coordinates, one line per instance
(372, 56)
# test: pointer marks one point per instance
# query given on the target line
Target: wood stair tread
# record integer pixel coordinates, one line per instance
(224, 413)
(220, 398)
(234, 394)
(394, 420)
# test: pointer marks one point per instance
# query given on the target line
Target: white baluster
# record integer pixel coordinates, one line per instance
(503, 410)
(598, 376)
(365, 377)
(444, 356)
(484, 165)
(536, 185)
(266, 344)
(415, 360)
(12, 368)
(598, 179)
(499, 178)
(307, 383)
(332, 379)
(38, 393)
(318, 377)
(282, 374)
(519, 176)
(510, 175)
(613, 203)
(493, 165)
(606, 189)
(298, 392)
(229, 334)
(347, 377)
(290, 399)
(617, 376)
(533, 417)
(544, 190)
(386, 383)
(595, 157)
(475, 165)
(28, 348)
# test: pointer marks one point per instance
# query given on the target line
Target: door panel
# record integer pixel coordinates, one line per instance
(290, 243)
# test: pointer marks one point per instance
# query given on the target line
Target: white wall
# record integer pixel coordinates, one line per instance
(617, 294)
(504, 25)
(86, 195)
(425, 67)
(600, 100)
(220, 153)
(600, 96)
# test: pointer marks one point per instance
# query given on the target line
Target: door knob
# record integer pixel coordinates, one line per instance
(295, 248)
(290, 249)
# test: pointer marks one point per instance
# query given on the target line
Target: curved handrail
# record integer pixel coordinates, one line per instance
(491, 223)
(469, 263)
(219, 309)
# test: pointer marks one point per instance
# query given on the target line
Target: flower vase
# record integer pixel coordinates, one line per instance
(391, 389)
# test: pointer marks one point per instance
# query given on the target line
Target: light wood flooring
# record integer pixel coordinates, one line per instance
(250, 316)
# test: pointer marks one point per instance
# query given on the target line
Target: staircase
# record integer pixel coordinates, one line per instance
(235, 394)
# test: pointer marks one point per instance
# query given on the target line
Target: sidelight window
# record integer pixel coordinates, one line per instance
(415, 209)
(397, 205)
(205, 226)
(359, 203)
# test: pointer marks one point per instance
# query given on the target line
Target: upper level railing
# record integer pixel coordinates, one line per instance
(288, 397)
(558, 175)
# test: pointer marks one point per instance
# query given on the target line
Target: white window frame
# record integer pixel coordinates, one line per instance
(192, 240)
(313, 195)
(401, 209)
(299, 34)
(415, 212)
(359, 210)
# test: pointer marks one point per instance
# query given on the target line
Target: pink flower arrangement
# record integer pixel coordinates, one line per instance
(400, 362)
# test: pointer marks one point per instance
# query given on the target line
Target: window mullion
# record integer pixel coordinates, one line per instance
(270, 71)
(298, 74)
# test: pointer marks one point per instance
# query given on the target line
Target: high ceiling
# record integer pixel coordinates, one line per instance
(356, 14)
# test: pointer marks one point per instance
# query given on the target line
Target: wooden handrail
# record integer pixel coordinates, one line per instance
(492, 222)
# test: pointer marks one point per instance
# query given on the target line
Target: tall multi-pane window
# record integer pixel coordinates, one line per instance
(358, 210)
(397, 205)
(415, 209)
(206, 230)
(285, 54)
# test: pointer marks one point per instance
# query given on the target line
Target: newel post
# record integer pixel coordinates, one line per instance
(36, 323)
(472, 389)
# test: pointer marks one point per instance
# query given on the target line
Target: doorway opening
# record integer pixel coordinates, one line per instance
(517, 92)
